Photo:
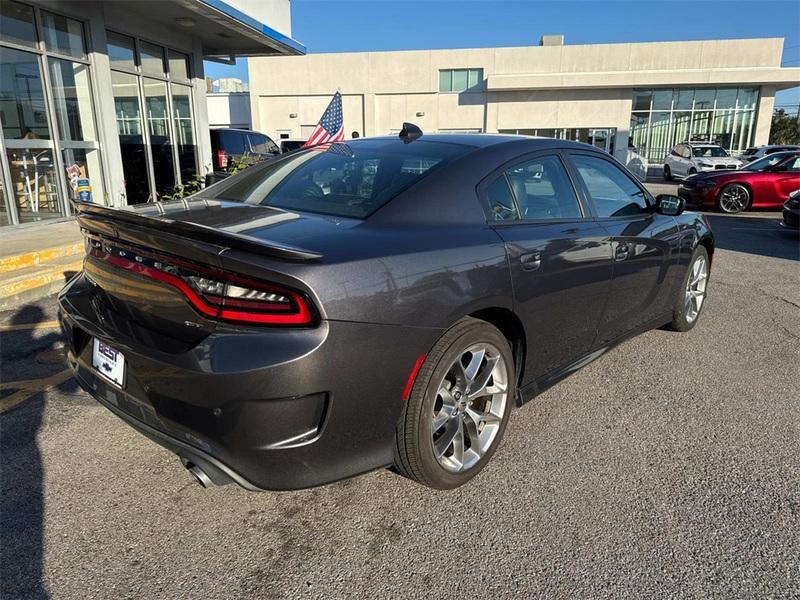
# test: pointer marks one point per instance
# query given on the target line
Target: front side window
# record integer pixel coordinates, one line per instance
(543, 190)
(792, 165)
(347, 180)
(613, 193)
(763, 164)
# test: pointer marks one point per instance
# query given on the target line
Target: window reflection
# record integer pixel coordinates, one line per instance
(131, 137)
(17, 24)
(22, 96)
(157, 117)
(63, 35)
(184, 132)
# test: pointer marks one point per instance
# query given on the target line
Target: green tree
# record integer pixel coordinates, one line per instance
(785, 128)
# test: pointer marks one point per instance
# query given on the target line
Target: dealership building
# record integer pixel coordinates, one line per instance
(106, 101)
(629, 99)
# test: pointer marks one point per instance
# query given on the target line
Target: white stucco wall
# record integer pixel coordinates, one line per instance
(585, 86)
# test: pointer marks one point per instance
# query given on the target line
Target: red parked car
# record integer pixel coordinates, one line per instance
(764, 183)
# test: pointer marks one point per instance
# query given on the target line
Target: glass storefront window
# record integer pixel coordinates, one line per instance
(157, 116)
(721, 115)
(82, 165)
(151, 58)
(72, 96)
(17, 24)
(682, 99)
(33, 185)
(642, 100)
(63, 35)
(701, 126)
(747, 98)
(121, 51)
(184, 131)
(178, 65)
(662, 99)
(131, 137)
(726, 98)
(704, 99)
(22, 99)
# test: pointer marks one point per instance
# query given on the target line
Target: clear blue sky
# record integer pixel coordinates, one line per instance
(361, 25)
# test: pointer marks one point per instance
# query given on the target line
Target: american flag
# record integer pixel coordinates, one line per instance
(330, 127)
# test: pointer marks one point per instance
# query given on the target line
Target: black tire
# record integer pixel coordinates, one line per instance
(691, 171)
(667, 173)
(729, 207)
(680, 318)
(414, 457)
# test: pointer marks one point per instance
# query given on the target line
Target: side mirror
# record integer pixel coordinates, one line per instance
(667, 204)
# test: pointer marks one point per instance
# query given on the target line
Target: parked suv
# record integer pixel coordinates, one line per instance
(230, 144)
(689, 158)
(757, 152)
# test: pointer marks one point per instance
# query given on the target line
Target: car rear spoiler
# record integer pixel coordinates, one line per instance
(88, 213)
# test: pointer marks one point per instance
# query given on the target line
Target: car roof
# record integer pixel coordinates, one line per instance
(485, 140)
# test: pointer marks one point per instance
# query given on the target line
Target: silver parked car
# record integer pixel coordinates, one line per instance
(689, 158)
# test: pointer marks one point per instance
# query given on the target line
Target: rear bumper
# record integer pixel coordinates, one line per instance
(269, 409)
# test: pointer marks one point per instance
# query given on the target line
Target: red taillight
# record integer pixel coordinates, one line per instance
(213, 293)
(222, 159)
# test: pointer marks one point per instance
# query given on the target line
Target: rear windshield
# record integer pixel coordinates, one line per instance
(233, 142)
(343, 179)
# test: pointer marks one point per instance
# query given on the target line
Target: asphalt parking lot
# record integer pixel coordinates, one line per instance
(667, 468)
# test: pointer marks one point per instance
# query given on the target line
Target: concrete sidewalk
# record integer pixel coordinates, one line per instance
(36, 261)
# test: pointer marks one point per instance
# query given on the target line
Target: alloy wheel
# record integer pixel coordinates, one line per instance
(734, 198)
(695, 289)
(469, 408)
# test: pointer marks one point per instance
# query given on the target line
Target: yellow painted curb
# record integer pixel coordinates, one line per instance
(44, 277)
(39, 257)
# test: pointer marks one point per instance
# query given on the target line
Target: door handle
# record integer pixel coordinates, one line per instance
(531, 261)
(622, 252)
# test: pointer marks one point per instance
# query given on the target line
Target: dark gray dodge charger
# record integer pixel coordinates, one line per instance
(377, 303)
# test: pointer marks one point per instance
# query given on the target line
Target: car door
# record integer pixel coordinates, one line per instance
(786, 178)
(560, 260)
(644, 244)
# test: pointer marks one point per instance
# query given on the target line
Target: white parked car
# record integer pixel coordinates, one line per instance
(693, 157)
(757, 152)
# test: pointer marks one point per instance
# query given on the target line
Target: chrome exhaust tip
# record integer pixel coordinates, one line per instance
(199, 475)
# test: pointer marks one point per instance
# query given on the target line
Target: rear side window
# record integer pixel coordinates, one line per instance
(348, 180)
(613, 193)
(499, 203)
(543, 189)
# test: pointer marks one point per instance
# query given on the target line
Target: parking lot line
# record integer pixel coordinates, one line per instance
(30, 326)
(29, 387)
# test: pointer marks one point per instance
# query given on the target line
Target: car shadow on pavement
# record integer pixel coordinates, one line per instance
(21, 470)
(755, 235)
